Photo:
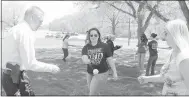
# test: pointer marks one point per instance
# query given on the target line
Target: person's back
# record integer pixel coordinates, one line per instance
(10, 43)
(111, 45)
(153, 47)
(65, 43)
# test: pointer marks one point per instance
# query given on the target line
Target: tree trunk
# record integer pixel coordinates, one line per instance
(113, 30)
(140, 30)
(113, 25)
(129, 36)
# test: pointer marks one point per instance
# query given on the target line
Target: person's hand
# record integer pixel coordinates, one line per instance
(86, 60)
(115, 77)
(143, 79)
(55, 69)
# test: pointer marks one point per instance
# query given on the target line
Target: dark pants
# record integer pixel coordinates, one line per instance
(22, 88)
(151, 64)
(65, 51)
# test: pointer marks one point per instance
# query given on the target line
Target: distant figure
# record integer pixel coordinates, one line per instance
(65, 45)
(87, 38)
(18, 55)
(174, 74)
(97, 55)
(110, 39)
(110, 42)
(142, 51)
(152, 45)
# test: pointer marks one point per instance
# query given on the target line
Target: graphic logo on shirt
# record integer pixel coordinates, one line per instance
(154, 45)
(95, 55)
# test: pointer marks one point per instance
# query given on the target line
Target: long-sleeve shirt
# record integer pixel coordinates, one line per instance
(18, 48)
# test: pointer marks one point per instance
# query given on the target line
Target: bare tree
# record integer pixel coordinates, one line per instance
(11, 13)
(113, 18)
(138, 13)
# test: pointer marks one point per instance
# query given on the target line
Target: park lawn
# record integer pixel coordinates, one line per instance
(71, 80)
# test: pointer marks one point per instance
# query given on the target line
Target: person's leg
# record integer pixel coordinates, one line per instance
(9, 87)
(153, 64)
(149, 65)
(89, 78)
(139, 61)
(24, 86)
(98, 82)
(142, 61)
(65, 53)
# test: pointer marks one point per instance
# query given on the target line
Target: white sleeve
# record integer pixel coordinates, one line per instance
(27, 54)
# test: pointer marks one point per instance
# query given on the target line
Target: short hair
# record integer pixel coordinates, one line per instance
(32, 10)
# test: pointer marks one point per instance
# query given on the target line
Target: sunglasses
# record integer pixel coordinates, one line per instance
(95, 35)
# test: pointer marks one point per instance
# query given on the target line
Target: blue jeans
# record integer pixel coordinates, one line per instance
(151, 64)
(65, 51)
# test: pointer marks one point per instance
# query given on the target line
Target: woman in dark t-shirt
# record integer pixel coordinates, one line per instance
(152, 46)
(96, 54)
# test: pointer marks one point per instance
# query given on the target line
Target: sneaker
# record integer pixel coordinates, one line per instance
(64, 60)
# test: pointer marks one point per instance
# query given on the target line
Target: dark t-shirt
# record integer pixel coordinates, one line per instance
(111, 45)
(153, 47)
(97, 55)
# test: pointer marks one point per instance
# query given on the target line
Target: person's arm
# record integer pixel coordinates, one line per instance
(155, 78)
(84, 57)
(148, 46)
(146, 79)
(66, 41)
(117, 47)
(112, 65)
(183, 68)
(28, 59)
(110, 61)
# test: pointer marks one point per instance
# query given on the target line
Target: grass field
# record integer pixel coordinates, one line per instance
(71, 80)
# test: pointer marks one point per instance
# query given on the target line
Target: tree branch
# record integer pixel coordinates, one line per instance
(121, 10)
(117, 23)
(129, 3)
(158, 14)
(108, 17)
(147, 21)
(185, 10)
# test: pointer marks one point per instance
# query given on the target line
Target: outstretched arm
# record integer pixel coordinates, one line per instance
(183, 67)
(28, 59)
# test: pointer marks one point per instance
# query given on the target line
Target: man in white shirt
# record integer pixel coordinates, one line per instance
(18, 54)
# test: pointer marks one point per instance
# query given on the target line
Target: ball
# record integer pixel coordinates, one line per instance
(95, 71)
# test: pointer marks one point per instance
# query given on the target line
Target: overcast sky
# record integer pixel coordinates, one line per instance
(52, 9)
